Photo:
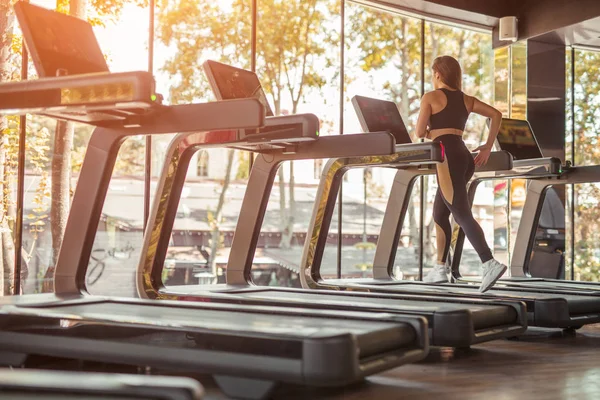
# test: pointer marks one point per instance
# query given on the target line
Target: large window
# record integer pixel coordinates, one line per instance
(585, 206)
(10, 65)
(298, 60)
(189, 33)
(383, 61)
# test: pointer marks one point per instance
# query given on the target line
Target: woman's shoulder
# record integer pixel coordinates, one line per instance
(468, 98)
(434, 94)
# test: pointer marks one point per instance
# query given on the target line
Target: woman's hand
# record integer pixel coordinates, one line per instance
(482, 157)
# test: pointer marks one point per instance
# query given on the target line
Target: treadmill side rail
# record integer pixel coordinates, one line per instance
(41, 382)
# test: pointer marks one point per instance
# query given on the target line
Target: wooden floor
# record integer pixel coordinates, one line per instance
(542, 364)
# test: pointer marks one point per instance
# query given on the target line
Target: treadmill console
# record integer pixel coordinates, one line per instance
(230, 83)
(59, 42)
(380, 115)
(516, 137)
(75, 82)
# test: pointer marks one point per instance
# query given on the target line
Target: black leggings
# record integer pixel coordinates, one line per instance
(451, 197)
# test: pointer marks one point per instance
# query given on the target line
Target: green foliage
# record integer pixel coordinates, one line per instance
(388, 44)
(292, 44)
(243, 166)
(391, 44)
(100, 12)
(130, 161)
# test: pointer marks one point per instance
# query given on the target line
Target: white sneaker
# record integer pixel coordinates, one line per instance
(437, 274)
(492, 271)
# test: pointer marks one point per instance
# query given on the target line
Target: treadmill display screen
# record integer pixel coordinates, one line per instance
(380, 115)
(59, 42)
(516, 137)
(230, 83)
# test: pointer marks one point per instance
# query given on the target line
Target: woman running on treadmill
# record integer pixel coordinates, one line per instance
(442, 118)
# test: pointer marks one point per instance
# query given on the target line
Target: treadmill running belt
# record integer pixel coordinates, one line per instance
(484, 316)
(546, 309)
(162, 314)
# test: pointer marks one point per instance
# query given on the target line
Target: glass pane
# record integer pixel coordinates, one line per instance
(191, 32)
(501, 80)
(297, 62)
(331, 265)
(519, 80)
(118, 241)
(383, 55)
(473, 50)
(406, 263)
(365, 196)
(382, 61)
(9, 143)
(279, 251)
(10, 58)
(569, 156)
(187, 34)
(569, 259)
(206, 218)
(587, 109)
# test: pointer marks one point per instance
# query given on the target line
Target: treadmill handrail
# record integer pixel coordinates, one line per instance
(532, 168)
(170, 184)
(100, 158)
(66, 94)
(306, 124)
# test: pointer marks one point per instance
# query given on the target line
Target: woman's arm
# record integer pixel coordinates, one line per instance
(486, 110)
(424, 114)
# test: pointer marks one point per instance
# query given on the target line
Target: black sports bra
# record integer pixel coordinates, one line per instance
(454, 115)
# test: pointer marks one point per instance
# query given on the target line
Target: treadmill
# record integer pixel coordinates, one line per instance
(247, 349)
(452, 322)
(517, 137)
(55, 385)
(526, 234)
(556, 309)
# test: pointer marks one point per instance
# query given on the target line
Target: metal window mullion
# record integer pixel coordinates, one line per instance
(341, 131)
